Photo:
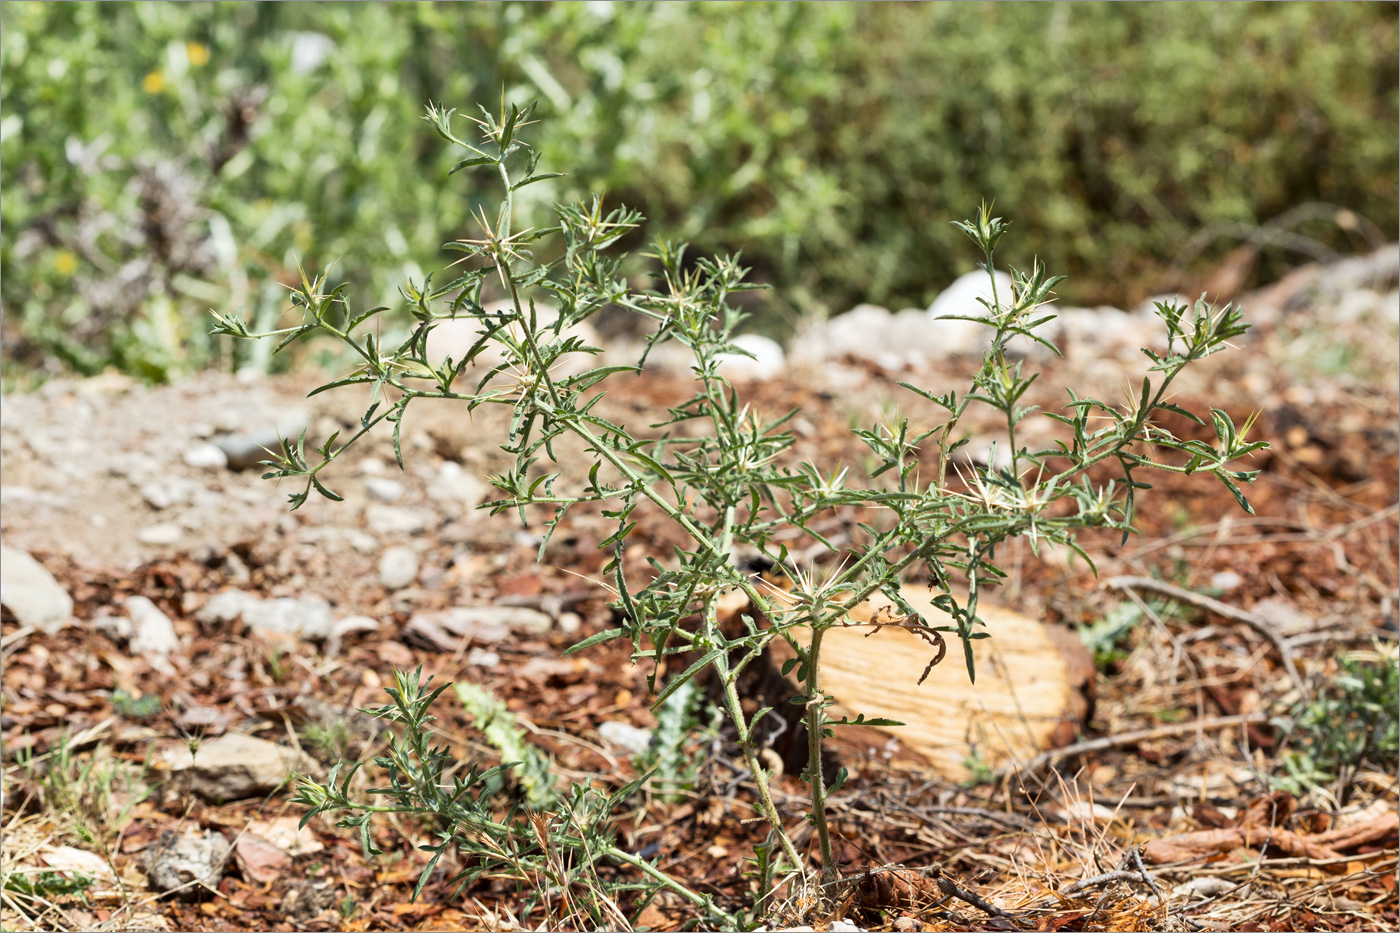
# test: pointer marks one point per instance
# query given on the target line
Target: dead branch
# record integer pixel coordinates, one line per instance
(1132, 738)
(1253, 620)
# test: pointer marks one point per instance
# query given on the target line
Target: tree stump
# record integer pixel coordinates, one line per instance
(1032, 693)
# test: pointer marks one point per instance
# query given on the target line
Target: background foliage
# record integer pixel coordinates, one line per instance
(162, 159)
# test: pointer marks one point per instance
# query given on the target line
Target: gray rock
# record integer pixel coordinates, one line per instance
(165, 533)
(383, 488)
(31, 592)
(398, 567)
(625, 735)
(186, 863)
(389, 520)
(236, 766)
(446, 630)
(206, 456)
(248, 447)
(153, 635)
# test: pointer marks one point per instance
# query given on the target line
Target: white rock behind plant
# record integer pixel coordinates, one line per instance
(31, 592)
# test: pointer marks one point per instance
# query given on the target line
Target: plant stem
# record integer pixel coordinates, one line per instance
(816, 703)
(760, 776)
(641, 864)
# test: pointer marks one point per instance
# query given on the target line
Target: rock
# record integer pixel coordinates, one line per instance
(236, 766)
(205, 456)
(768, 359)
(389, 520)
(307, 617)
(569, 622)
(478, 658)
(844, 926)
(162, 494)
(398, 567)
(962, 296)
(250, 446)
(204, 720)
(117, 628)
(361, 542)
(625, 735)
(1225, 581)
(186, 862)
(1201, 888)
(446, 630)
(24, 496)
(153, 634)
(31, 593)
(457, 484)
(862, 331)
(165, 533)
(383, 488)
(346, 626)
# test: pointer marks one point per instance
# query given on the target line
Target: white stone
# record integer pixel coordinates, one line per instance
(206, 456)
(625, 735)
(863, 331)
(365, 544)
(383, 488)
(844, 926)
(1226, 580)
(164, 533)
(307, 617)
(398, 567)
(457, 484)
(389, 520)
(478, 657)
(153, 634)
(163, 493)
(31, 592)
(962, 296)
(768, 362)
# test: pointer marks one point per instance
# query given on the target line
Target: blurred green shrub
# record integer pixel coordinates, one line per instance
(161, 159)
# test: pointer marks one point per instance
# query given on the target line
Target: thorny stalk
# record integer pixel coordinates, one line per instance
(726, 483)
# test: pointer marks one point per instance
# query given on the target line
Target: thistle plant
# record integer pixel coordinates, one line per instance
(723, 474)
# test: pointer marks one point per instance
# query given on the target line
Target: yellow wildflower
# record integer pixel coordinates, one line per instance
(197, 53)
(154, 82)
(65, 262)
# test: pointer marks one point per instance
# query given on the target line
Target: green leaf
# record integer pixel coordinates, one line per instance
(676, 682)
(468, 163)
(597, 639)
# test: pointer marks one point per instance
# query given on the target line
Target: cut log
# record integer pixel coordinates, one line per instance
(1031, 694)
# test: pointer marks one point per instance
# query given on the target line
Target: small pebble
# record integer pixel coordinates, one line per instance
(383, 488)
(162, 534)
(398, 567)
(206, 456)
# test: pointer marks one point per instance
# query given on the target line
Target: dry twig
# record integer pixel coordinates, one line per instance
(1253, 620)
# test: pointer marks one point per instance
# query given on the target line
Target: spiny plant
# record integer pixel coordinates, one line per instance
(719, 472)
